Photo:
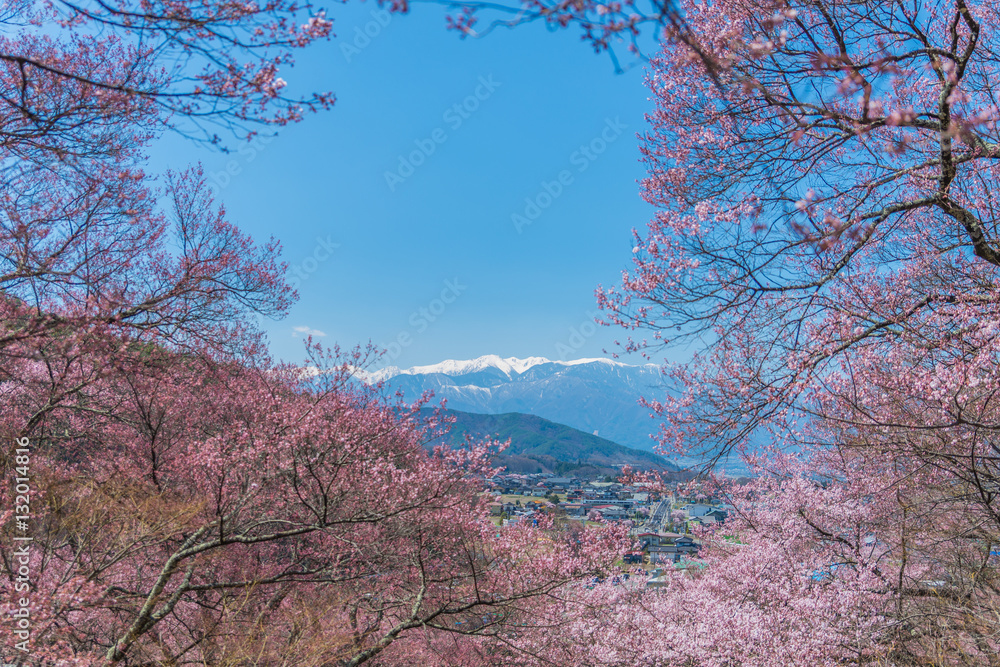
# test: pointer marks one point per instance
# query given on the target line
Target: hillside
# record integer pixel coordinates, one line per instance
(540, 445)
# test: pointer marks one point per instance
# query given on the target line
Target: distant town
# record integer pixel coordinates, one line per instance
(665, 516)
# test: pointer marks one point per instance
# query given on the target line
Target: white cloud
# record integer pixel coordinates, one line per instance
(306, 331)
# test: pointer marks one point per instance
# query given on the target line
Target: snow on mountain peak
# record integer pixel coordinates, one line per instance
(509, 366)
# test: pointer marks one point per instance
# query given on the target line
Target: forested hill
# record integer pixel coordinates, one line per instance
(540, 445)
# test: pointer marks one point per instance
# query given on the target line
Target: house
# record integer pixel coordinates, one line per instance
(649, 539)
(663, 554)
(656, 579)
(681, 548)
(697, 509)
(686, 545)
(611, 512)
(718, 515)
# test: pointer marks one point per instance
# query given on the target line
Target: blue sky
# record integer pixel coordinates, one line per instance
(428, 261)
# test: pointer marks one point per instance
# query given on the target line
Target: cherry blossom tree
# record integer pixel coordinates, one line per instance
(827, 229)
(630, 26)
(73, 72)
(96, 255)
(192, 508)
(192, 501)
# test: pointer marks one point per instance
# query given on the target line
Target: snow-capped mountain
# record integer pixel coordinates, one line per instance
(508, 366)
(594, 395)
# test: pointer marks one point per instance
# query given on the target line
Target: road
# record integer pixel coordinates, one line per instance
(659, 514)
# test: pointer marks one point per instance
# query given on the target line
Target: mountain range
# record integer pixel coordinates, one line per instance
(597, 396)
